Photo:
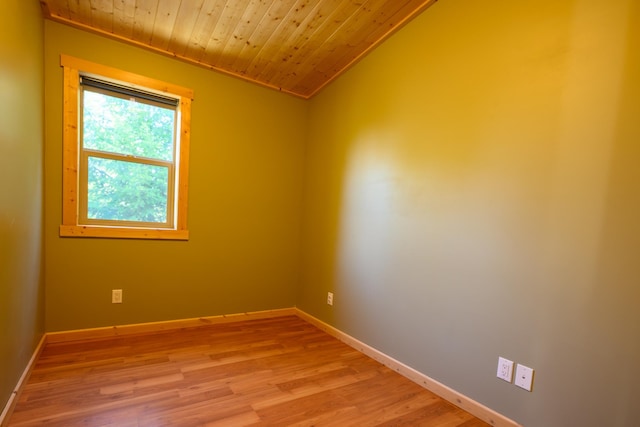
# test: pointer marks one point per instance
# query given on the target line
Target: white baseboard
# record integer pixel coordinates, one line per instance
(475, 408)
(13, 399)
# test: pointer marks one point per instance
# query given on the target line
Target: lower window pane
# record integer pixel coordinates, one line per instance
(125, 191)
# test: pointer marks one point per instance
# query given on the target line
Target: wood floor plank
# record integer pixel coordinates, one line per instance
(268, 372)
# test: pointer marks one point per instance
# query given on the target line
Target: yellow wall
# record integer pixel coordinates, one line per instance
(247, 151)
(21, 281)
(473, 191)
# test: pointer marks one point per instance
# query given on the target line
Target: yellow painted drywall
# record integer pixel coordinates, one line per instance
(247, 147)
(472, 191)
(21, 142)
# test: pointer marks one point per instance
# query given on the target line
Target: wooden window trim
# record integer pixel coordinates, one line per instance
(70, 227)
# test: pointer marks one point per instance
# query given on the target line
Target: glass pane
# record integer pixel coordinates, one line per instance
(127, 127)
(125, 191)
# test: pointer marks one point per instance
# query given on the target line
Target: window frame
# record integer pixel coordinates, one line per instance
(73, 68)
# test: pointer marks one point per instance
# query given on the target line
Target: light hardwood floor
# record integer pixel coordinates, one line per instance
(271, 372)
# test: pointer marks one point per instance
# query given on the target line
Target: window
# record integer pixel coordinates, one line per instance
(125, 160)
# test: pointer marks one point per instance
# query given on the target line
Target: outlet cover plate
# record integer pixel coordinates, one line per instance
(524, 377)
(330, 298)
(116, 296)
(505, 369)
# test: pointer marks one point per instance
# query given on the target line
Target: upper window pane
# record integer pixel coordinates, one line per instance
(127, 126)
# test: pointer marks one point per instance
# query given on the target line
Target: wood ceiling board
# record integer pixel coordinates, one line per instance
(123, 15)
(367, 38)
(143, 17)
(102, 15)
(245, 33)
(301, 24)
(316, 37)
(77, 11)
(227, 34)
(285, 27)
(164, 23)
(262, 33)
(295, 46)
(54, 10)
(203, 30)
(315, 50)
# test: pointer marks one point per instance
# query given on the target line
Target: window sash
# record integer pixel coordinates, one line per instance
(83, 214)
(123, 92)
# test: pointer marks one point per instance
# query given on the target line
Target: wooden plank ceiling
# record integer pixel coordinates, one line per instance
(296, 46)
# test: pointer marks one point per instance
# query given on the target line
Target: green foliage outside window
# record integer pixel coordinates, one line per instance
(125, 191)
(130, 149)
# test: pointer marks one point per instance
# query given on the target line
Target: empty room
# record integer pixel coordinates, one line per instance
(314, 212)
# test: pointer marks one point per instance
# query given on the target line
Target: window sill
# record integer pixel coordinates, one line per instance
(122, 233)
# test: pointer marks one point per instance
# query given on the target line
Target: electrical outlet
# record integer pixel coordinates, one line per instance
(524, 377)
(330, 298)
(505, 369)
(116, 296)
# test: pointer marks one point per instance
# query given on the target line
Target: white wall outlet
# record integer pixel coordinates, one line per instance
(116, 296)
(330, 298)
(505, 369)
(524, 377)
